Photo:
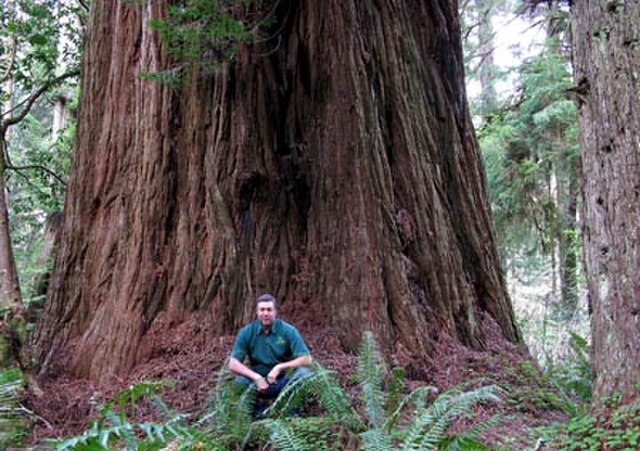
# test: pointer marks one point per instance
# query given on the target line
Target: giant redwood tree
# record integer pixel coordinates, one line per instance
(332, 162)
(607, 57)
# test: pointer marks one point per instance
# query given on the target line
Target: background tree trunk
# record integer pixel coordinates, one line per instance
(12, 324)
(487, 70)
(568, 202)
(334, 165)
(10, 296)
(607, 57)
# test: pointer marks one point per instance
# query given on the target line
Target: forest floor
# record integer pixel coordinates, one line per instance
(190, 355)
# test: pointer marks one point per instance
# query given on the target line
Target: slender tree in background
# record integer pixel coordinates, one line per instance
(487, 70)
(530, 148)
(607, 57)
(30, 59)
(479, 49)
(332, 162)
(563, 178)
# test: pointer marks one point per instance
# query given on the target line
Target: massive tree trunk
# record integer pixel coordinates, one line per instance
(607, 57)
(334, 165)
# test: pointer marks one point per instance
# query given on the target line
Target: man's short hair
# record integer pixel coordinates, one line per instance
(267, 298)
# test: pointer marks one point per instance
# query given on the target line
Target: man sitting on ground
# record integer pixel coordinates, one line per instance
(276, 352)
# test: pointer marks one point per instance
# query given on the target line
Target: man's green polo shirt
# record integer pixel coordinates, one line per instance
(281, 344)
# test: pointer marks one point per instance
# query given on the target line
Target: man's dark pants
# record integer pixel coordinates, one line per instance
(263, 399)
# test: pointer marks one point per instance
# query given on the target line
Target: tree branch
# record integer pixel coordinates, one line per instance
(36, 166)
(29, 101)
(12, 59)
(84, 5)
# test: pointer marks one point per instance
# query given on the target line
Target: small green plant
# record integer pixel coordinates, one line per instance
(565, 387)
(229, 415)
(13, 417)
(533, 390)
(574, 377)
(615, 428)
(117, 428)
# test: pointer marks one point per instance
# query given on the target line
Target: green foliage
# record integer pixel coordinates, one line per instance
(563, 386)
(574, 376)
(387, 421)
(36, 189)
(14, 419)
(116, 428)
(617, 428)
(533, 391)
(427, 429)
(371, 370)
(411, 423)
(229, 415)
(203, 33)
(37, 38)
(322, 387)
(528, 146)
(39, 53)
(313, 433)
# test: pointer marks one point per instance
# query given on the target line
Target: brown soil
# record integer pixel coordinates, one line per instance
(190, 355)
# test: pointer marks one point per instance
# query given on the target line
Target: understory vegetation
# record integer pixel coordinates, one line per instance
(382, 418)
(317, 413)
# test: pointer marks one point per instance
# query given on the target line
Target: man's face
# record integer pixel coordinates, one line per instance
(266, 312)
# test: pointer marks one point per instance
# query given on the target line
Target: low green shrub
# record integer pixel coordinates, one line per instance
(14, 418)
(613, 428)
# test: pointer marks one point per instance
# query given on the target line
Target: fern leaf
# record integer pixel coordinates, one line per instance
(429, 427)
(416, 397)
(283, 437)
(322, 386)
(371, 371)
(376, 440)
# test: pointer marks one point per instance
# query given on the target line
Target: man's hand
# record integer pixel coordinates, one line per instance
(272, 377)
(239, 368)
(262, 384)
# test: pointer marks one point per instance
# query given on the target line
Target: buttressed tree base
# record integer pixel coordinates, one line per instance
(333, 163)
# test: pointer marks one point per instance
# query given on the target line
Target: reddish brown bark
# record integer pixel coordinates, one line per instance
(334, 165)
(607, 57)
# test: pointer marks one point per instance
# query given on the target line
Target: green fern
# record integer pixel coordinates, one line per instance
(376, 439)
(115, 427)
(371, 370)
(13, 417)
(427, 429)
(321, 386)
(426, 425)
(469, 441)
(394, 392)
(228, 418)
(389, 421)
(313, 433)
(417, 399)
(282, 437)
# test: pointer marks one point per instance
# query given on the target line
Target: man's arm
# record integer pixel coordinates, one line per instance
(239, 368)
(303, 360)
